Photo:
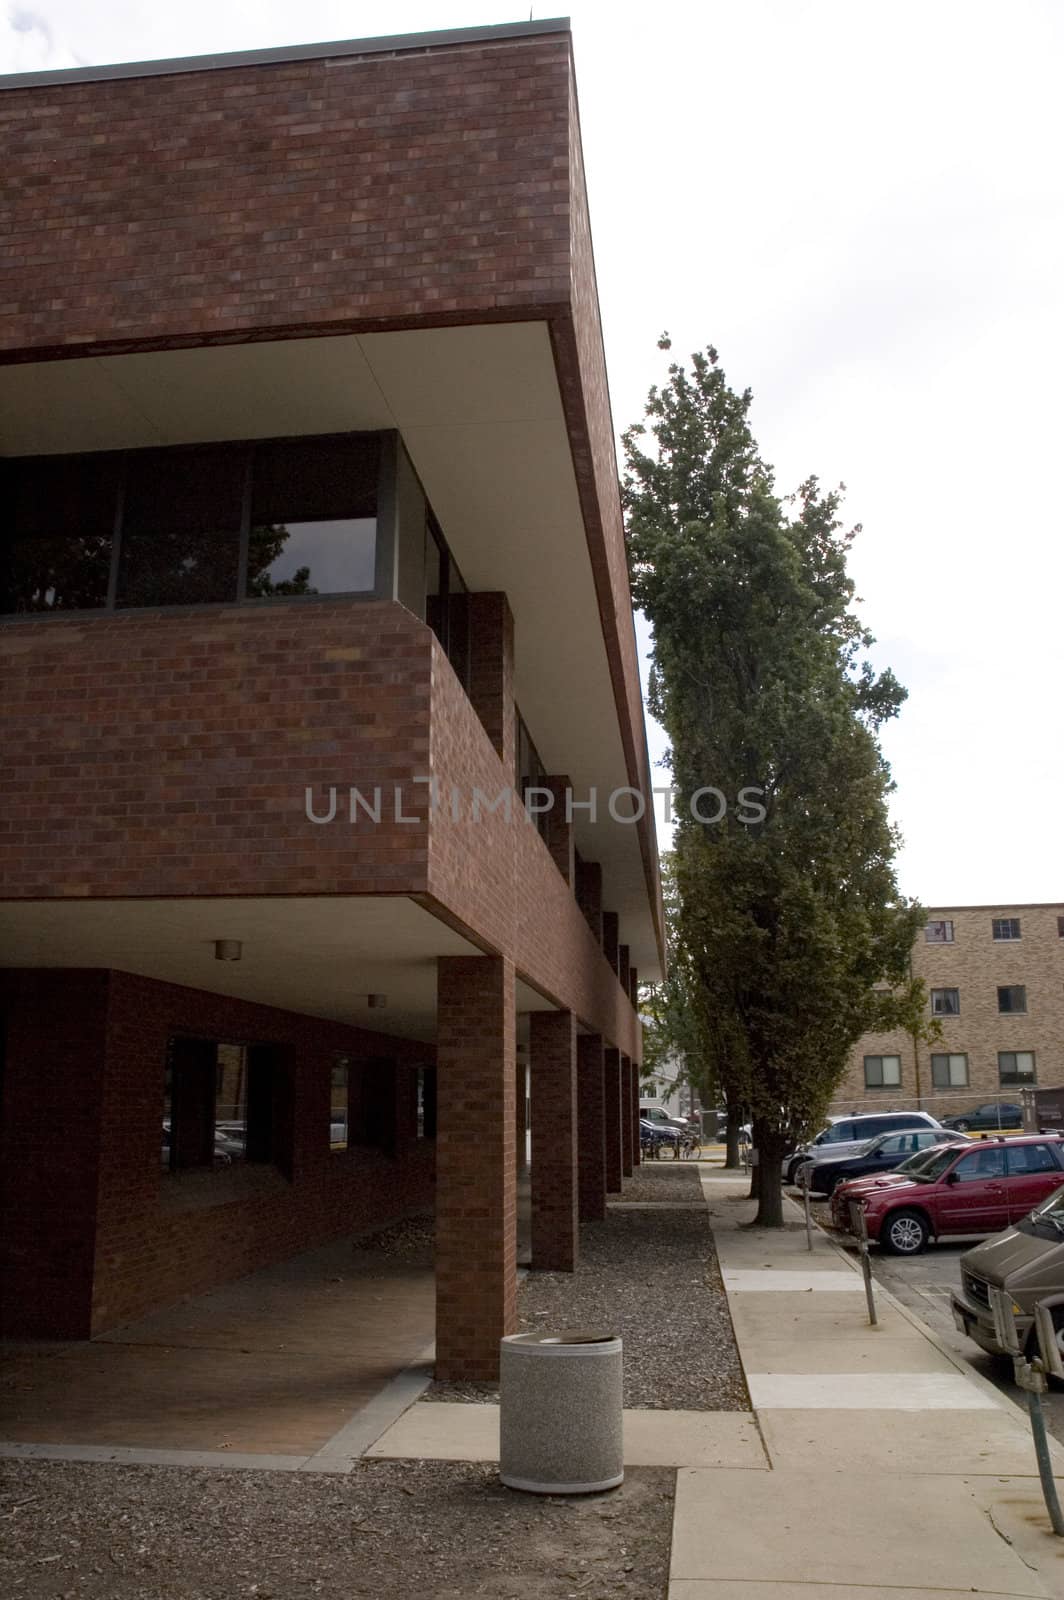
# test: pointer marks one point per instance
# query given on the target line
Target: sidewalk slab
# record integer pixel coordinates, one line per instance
(866, 1391)
(737, 1528)
(808, 1317)
(453, 1431)
(797, 1590)
(877, 1353)
(950, 1443)
(821, 1279)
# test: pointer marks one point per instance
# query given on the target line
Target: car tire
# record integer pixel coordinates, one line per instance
(798, 1165)
(962, 1125)
(903, 1233)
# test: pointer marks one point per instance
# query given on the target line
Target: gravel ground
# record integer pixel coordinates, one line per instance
(651, 1276)
(663, 1180)
(434, 1530)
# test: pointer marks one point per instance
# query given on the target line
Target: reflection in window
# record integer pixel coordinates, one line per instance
(949, 1071)
(882, 1072)
(58, 532)
(339, 1105)
(334, 557)
(204, 1104)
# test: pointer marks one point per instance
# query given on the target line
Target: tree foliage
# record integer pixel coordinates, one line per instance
(791, 926)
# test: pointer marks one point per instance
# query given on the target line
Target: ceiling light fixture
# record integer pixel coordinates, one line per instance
(228, 949)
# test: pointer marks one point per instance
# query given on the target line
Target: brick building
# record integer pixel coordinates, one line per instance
(312, 551)
(995, 976)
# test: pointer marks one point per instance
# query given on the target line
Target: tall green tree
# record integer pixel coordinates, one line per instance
(791, 922)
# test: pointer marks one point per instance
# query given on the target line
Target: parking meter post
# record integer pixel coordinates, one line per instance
(860, 1228)
(808, 1219)
(1045, 1464)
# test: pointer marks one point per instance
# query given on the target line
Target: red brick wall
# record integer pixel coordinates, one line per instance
(300, 193)
(168, 753)
(155, 1238)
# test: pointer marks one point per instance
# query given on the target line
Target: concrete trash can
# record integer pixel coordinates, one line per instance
(560, 1411)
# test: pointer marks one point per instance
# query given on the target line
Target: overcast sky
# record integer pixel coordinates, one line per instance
(861, 207)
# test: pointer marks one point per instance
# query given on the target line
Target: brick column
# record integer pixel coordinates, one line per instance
(623, 968)
(476, 1207)
(591, 1127)
(610, 930)
(611, 1076)
(558, 833)
(589, 895)
(555, 1227)
(633, 986)
(636, 1155)
(491, 670)
(627, 1129)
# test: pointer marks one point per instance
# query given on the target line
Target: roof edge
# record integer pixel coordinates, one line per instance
(389, 44)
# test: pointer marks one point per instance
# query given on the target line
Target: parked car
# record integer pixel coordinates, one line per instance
(658, 1133)
(881, 1154)
(660, 1117)
(843, 1137)
(998, 1114)
(226, 1148)
(854, 1188)
(962, 1191)
(1027, 1260)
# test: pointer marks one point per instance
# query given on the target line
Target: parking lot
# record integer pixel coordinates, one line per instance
(923, 1283)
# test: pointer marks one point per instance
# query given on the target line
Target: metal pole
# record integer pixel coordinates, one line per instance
(860, 1228)
(1045, 1465)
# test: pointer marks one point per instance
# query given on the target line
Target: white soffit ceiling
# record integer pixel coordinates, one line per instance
(480, 413)
(320, 955)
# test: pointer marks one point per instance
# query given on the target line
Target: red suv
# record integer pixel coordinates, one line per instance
(962, 1190)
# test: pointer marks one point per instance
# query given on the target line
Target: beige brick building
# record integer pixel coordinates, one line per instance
(996, 981)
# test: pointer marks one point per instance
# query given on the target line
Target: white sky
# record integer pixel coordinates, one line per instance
(862, 208)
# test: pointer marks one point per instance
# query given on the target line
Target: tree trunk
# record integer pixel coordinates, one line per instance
(772, 1147)
(757, 1134)
(733, 1112)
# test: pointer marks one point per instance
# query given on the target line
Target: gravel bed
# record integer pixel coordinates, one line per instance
(651, 1276)
(663, 1180)
(437, 1530)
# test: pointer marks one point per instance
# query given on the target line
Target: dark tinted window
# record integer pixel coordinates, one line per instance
(57, 532)
(314, 517)
(981, 1164)
(1025, 1158)
(181, 526)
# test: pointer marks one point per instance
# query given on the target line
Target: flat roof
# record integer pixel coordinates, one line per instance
(387, 44)
(1002, 905)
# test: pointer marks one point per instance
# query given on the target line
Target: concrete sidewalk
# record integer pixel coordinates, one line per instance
(896, 1471)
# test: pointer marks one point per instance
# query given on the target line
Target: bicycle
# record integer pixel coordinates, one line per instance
(690, 1148)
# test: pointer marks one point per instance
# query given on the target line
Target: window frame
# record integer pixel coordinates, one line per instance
(940, 922)
(882, 1084)
(1014, 1080)
(946, 1012)
(949, 1056)
(1011, 1010)
(997, 923)
(384, 557)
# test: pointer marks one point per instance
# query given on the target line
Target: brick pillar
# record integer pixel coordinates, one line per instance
(633, 986)
(491, 671)
(558, 833)
(627, 1128)
(636, 1155)
(589, 895)
(591, 1127)
(611, 1077)
(520, 1114)
(476, 1204)
(610, 930)
(555, 1224)
(623, 968)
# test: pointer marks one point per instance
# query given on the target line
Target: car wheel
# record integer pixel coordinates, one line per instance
(903, 1233)
(963, 1125)
(795, 1174)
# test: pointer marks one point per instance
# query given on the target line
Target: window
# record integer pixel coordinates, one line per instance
(530, 770)
(178, 526)
(1005, 928)
(949, 1071)
(980, 1165)
(1027, 1158)
(1016, 1066)
(1060, 927)
(1012, 997)
(339, 1104)
(945, 1002)
(882, 1072)
(205, 1104)
(938, 932)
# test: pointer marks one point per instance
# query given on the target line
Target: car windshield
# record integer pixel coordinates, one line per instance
(939, 1159)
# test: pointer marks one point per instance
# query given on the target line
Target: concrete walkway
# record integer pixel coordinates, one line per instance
(896, 1471)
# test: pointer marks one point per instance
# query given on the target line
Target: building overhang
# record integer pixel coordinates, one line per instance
(482, 411)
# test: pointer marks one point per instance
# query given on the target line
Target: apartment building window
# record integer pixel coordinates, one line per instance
(1060, 927)
(1016, 1066)
(945, 1002)
(938, 931)
(1012, 997)
(882, 1072)
(949, 1071)
(1005, 928)
(191, 525)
